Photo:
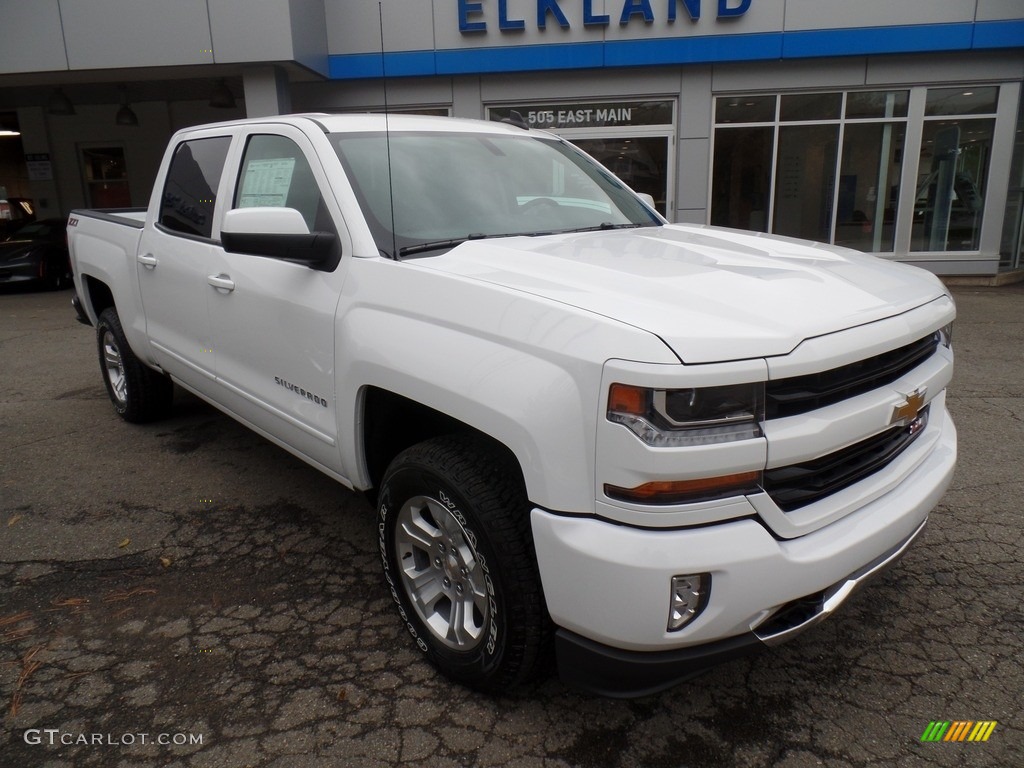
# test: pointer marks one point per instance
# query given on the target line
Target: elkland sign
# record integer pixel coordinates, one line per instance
(477, 37)
(475, 15)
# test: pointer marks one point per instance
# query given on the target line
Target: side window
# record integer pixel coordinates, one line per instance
(190, 192)
(276, 174)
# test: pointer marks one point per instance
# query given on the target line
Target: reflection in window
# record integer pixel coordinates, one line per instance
(869, 186)
(952, 172)
(828, 168)
(832, 176)
(745, 109)
(867, 104)
(1011, 248)
(106, 177)
(418, 188)
(961, 101)
(804, 181)
(276, 174)
(811, 106)
(190, 191)
(741, 180)
(641, 162)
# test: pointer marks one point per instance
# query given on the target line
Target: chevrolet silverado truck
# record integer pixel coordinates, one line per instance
(642, 447)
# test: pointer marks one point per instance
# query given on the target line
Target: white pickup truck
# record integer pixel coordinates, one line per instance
(651, 446)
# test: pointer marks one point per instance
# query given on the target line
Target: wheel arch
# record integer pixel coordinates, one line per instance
(97, 298)
(392, 422)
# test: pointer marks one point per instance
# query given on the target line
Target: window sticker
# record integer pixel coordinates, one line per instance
(266, 183)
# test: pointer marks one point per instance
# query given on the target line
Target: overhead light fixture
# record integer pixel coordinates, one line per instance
(125, 115)
(59, 104)
(222, 98)
(9, 125)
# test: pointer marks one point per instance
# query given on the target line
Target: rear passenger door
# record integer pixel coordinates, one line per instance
(272, 321)
(172, 262)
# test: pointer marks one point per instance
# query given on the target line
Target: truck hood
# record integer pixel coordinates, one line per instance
(711, 294)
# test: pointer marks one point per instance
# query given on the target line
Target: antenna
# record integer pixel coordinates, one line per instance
(387, 132)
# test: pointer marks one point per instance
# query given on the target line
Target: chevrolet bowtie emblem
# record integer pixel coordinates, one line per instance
(905, 412)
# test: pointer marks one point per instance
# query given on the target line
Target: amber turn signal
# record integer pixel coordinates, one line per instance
(684, 491)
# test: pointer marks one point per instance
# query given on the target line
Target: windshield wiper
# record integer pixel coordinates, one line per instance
(605, 225)
(437, 245)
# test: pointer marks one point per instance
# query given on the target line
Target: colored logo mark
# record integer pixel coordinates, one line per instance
(958, 730)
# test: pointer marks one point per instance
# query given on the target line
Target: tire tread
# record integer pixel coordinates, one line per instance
(149, 393)
(490, 481)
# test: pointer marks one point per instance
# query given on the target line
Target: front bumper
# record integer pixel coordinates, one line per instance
(618, 673)
(609, 584)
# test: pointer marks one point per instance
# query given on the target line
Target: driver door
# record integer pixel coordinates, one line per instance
(272, 321)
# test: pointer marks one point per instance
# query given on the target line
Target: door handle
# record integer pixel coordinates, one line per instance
(221, 282)
(148, 259)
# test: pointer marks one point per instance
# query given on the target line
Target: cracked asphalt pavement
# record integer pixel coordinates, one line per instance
(185, 593)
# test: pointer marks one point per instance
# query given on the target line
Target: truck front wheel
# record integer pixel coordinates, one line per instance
(139, 393)
(458, 558)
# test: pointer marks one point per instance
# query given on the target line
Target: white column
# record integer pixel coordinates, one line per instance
(267, 91)
(35, 140)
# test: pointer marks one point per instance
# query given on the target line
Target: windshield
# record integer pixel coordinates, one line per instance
(450, 187)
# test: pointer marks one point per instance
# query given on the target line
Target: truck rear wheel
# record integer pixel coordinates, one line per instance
(459, 559)
(139, 393)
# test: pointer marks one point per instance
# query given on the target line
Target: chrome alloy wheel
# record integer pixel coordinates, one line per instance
(441, 574)
(114, 368)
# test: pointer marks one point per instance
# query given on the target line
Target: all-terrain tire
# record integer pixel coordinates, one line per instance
(458, 557)
(139, 393)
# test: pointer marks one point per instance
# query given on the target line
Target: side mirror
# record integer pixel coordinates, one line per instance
(649, 199)
(278, 233)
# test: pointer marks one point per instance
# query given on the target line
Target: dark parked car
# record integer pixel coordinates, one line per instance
(37, 252)
(15, 212)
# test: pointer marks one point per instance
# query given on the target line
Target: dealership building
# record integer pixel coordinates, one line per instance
(895, 128)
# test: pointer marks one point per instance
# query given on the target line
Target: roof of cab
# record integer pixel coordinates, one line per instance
(355, 123)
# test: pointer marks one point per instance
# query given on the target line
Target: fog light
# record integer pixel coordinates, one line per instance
(689, 596)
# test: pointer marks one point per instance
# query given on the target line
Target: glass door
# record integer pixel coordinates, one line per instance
(633, 139)
(640, 161)
(106, 177)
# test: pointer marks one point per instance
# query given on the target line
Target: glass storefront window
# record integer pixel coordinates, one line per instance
(810, 106)
(952, 170)
(951, 175)
(868, 104)
(869, 186)
(745, 109)
(742, 177)
(829, 167)
(804, 181)
(1011, 248)
(825, 179)
(961, 101)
